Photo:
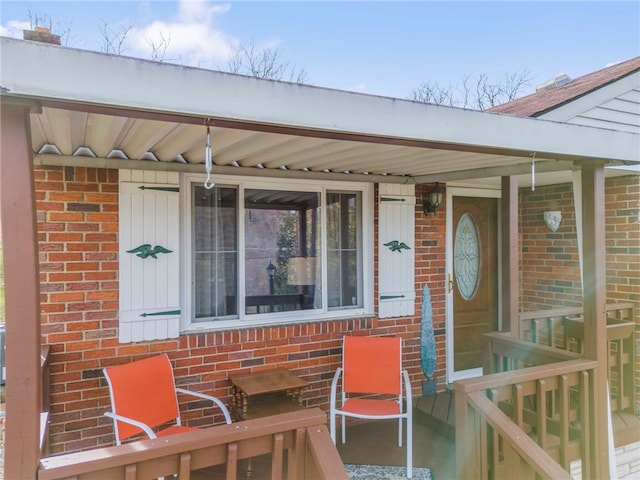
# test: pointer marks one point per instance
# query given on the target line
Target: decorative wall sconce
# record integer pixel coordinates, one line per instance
(435, 200)
(553, 218)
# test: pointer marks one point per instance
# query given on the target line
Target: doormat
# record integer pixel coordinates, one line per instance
(382, 472)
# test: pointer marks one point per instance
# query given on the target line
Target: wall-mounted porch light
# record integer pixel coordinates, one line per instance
(553, 218)
(435, 200)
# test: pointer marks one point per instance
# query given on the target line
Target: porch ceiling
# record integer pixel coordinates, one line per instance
(63, 136)
(96, 136)
(109, 111)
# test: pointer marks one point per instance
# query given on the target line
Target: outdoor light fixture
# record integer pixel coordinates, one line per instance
(435, 200)
(553, 218)
(271, 271)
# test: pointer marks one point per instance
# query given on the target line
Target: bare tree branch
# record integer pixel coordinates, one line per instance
(63, 28)
(514, 83)
(159, 49)
(263, 63)
(39, 20)
(475, 92)
(114, 38)
(431, 92)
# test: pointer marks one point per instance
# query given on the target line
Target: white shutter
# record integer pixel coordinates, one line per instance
(149, 287)
(396, 250)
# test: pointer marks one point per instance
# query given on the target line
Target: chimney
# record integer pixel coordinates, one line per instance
(41, 34)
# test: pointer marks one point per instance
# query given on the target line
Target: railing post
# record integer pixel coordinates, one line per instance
(488, 361)
(468, 441)
(277, 455)
(594, 300)
(22, 292)
(295, 461)
(232, 461)
(510, 258)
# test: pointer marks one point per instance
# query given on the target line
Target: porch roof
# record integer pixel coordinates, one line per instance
(111, 111)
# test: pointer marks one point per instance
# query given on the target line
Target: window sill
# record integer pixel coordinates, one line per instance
(269, 320)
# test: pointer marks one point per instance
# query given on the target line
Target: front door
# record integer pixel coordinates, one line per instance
(472, 279)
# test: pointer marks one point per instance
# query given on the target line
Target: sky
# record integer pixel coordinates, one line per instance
(375, 47)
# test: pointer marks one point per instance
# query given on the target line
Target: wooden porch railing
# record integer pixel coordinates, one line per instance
(302, 434)
(530, 415)
(527, 423)
(564, 329)
(501, 353)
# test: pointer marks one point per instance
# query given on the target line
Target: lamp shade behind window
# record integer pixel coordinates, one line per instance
(302, 271)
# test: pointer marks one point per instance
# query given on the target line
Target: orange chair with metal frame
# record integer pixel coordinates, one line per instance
(144, 398)
(372, 386)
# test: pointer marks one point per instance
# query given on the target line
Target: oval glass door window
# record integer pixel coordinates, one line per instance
(466, 253)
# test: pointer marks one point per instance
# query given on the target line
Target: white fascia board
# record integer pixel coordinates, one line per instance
(593, 99)
(39, 70)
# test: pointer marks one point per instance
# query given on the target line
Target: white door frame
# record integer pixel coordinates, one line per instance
(462, 192)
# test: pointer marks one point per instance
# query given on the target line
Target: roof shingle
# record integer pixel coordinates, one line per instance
(541, 102)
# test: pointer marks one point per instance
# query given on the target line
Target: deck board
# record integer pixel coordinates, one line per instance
(437, 413)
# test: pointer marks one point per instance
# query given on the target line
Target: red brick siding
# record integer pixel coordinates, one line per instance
(430, 269)
(549, 263)
(550, 268)
(622, 234)
(77, 214)
(78, 227)
(622, 209)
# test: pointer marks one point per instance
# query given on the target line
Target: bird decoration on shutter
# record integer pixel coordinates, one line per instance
(397, 246)
(145, 250)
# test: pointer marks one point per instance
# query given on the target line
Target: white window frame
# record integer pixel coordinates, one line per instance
(265, 319)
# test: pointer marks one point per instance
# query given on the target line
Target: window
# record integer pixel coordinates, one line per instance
(343, 252)
(281, 250)
(277, 251)
(215, 251)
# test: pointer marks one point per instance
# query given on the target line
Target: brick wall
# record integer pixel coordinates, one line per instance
(549, 263)
(622, 207)
(78, 234)
(77, 212)
(430, 269)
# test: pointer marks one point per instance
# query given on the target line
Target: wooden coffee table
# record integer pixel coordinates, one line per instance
(264, 393)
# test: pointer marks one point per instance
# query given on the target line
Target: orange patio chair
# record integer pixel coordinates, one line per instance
(372, 384)
(144, 398)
